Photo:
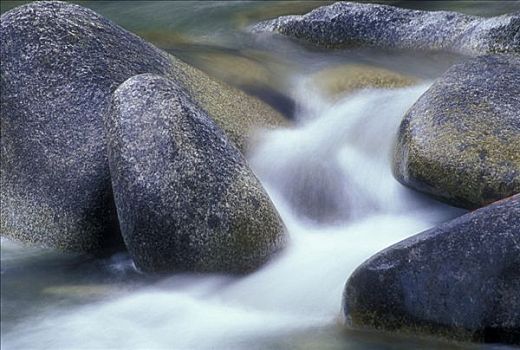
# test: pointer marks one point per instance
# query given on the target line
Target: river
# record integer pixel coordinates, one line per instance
(328, 175)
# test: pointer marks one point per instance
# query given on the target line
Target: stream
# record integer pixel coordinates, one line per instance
(329, 176)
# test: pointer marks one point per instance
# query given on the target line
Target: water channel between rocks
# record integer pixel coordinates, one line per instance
(329, 177)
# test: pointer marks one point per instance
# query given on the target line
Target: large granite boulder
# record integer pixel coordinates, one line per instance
(185, 196)
(459, 280)
(460, 142)
(348, 24)
(60, 65)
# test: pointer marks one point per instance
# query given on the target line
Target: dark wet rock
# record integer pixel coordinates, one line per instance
(185, 196)
(460, 142)
(60, 65)
(346, 24)
(460, 280)
(276, 99)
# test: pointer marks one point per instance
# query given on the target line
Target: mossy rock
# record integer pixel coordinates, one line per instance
(460, 142)
(234, 68)
(166, 39)
(257, 73)
(339, 80)
(85, 291)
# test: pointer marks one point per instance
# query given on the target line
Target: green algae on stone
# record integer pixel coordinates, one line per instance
(460, 142)
(395, 324)
(234, 68)
(185, 196)
(236, 112)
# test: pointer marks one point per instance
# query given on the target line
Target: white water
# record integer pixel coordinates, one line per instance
(338, 158)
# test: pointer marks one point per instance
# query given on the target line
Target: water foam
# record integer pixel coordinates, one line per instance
(338, 160)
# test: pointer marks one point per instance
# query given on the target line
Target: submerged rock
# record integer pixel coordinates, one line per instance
(346, 24)
(460, 142)
(459, 280)
(185, 196)
(237, 113)
(338, 80)
(249, 72)
(60, 64)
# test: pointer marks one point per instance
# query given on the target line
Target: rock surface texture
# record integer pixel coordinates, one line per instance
(460, 279)
(237, 113)
(186, 197)
(346, 24)
(460, 142)
(60, 65)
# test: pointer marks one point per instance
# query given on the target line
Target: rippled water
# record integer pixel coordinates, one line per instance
(329, 177)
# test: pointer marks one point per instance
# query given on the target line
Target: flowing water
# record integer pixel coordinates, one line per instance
(329, 176)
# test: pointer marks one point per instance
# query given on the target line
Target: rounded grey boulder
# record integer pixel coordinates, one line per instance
(459, 280)
(460, 142)
(347, 24)
(60, 64)
(185, 196)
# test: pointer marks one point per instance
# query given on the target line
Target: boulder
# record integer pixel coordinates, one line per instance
(460, 142)
(347, 24)
(185, 196)
(459, 280)
(60, 64)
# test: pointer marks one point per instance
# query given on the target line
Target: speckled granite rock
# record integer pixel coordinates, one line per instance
(346, 24)
(459, 280)
(185, 196)
(60, 64)
(460, 142)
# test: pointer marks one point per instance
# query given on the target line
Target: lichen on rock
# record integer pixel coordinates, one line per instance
(460, 142)
(339, 80)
